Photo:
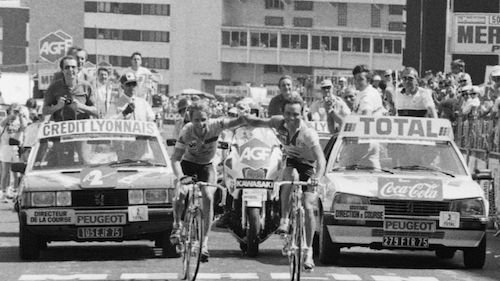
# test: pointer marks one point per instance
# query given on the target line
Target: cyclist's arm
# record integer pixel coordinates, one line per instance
(229, 123)
(272, 122)
(175, 159)
(320, 162)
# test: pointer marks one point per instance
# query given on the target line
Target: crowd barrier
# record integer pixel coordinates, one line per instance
(478, 140)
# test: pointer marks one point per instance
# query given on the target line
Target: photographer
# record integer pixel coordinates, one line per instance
(12, 128)
(330, 108)
(130, 106)
(69, 98)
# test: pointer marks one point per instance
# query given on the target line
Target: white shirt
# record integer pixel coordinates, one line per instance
(421, 100)
(369, 100)
(142, 112)
(469, 104)
(104, 98)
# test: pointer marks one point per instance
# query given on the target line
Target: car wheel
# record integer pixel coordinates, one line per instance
(29, 243)
(475, 257)
(329, 252)
(169, 249)
(445, 253)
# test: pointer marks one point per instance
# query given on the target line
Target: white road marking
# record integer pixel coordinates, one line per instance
(346, 277)
(40, 277)
(148, 276)
(399, 278)
(242, 276)
(280, 276)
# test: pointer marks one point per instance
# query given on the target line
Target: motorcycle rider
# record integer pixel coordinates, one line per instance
(193, 156)
(303, 153)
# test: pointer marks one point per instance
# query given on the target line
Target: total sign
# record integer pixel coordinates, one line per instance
(54, 45)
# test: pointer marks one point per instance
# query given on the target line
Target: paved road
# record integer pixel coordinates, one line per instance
(140, 261)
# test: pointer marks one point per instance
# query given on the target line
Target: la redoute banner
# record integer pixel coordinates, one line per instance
(476, 33)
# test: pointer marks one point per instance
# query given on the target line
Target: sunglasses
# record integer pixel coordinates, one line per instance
(131, 84)
(70, 66)
(408, 78)
(230, 114)
(495, 78)
(326, 88)
(349, 97)
(462, 81)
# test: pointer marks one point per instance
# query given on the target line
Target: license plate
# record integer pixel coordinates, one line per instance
(254, 183)
(405, 241)
(100, 232)
(254, 194)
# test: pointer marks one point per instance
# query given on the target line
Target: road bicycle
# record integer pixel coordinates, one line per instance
(192, 231)
(294, 240)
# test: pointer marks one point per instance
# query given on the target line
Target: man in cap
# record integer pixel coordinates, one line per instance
(130, 106)
(182, 108)
(342, 86)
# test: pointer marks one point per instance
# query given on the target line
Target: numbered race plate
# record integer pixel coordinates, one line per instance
(99, 232)
(98, 177)
(254, 183)
(405, 241)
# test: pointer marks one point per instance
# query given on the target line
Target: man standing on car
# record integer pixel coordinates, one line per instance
(69, 98)
(130, 106)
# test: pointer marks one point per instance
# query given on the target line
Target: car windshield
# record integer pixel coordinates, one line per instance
(76, 152)
(390, 155)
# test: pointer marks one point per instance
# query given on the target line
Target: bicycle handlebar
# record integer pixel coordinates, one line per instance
(186, 180)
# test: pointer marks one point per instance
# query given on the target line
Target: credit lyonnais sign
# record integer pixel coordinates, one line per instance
(476, 33)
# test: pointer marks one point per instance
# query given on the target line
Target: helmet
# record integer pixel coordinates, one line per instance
(183, 103)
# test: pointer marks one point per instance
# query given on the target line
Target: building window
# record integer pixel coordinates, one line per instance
(302, 70)
(294, 41)
(342, 14)
(128, 9)
(325, 43)
(156, 9)
(303, 5)
(155, 36)
(396, 26)
(387, 46)
(346, 44)
(89, 33)
(271, 68)
(302, 22)
(103, 7)
(274, 4)
(396, 9)
(127, 35)
(234, 38)
(90, 7)
(356, 44)
(375, 15)
(274, 21)
(263, 39)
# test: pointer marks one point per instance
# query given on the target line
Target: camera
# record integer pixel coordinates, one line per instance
(68, 100)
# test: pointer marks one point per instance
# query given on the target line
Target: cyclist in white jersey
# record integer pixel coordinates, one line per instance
(303, 153)
(193, 156)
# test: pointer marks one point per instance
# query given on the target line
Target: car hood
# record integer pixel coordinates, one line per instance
(374, 184)
(72, 180)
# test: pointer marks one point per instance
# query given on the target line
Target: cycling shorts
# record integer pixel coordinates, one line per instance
(304, 170)
(202, 172)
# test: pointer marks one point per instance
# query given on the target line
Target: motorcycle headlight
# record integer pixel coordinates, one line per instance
(63, 198)
(135, 196)
(471, 207)
(350, 199)
(155, 196)
(254, 174)
(43, 199)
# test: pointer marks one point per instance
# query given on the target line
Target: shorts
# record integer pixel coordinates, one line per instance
(202, 172)
(304, 170)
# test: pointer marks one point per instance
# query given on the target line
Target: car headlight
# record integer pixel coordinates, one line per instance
(471, 207)
(350, 199)
(63, 198)
(43, 199)
(155, 196)
(135, 196)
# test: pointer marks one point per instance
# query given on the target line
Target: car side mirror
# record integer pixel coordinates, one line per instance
(171, 142)
(223, 145)
(18, 167)
(482, 174)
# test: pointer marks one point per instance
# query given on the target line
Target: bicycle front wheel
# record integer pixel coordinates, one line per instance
(296, 236)
(192, 244)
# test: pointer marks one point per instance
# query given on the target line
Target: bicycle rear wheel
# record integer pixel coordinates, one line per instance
(192, 243)
(295, 256)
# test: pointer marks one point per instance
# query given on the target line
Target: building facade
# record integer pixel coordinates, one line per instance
(255, 42)
(14, 22)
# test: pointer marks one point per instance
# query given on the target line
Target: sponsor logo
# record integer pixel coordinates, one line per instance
(54, 45)
(414, 189)
(409, 225)
(255, 153)
(246, 183)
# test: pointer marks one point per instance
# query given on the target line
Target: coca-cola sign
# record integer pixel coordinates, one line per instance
(410, 189)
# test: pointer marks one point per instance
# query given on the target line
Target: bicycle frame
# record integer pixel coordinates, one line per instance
(295, 239)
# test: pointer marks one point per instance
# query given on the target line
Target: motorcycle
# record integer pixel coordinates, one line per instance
(252, 162)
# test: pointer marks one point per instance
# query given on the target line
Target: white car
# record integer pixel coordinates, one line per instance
(401, 183)
(96, 180)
